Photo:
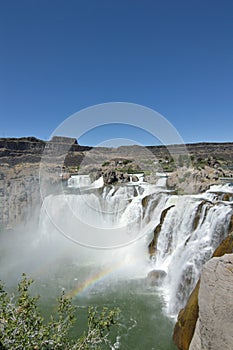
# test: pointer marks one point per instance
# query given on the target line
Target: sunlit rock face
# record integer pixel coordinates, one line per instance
(186, 322)
(214, 326)
(188, 316)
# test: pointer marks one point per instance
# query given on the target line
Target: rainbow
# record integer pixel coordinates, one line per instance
(94, 279)
(100, 275)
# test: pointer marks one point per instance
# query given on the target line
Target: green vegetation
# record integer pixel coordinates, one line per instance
(179, 192)
(23, 327)
(127, 161)
(202, 162)
(124, 162)
(146, 172)
(166, 164)
(129, 171)
(169, 168)
(106, 164)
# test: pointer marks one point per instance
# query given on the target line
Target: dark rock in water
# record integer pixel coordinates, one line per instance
(227, 197)
(134, 178)
(145, 201)
(198, 214)
(153, 243)
(231, 225)
(110, 177)
(155, 277)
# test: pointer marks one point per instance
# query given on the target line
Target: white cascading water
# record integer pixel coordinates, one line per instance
(192, 228)
(190, 233)
(80, 181)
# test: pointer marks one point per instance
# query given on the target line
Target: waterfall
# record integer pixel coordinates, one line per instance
(114, 216)
(102, 217)
(84, 181)
(190, 233)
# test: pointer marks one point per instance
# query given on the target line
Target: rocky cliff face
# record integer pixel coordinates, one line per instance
(214, 325)
(23, 150)
(187, 318)
(202, 150)
(19, 193)
(19, 174)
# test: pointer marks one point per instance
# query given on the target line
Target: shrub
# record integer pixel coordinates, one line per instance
(23, 327)
(105, 164)
(127, 161)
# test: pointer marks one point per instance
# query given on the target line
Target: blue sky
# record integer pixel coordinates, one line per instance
(58, 57)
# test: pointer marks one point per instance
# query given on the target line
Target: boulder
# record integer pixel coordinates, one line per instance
(110, 177)
(135, 178)
(155, 277)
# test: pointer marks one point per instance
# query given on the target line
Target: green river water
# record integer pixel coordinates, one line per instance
(143, 324)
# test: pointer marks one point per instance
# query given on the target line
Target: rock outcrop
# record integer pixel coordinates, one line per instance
(191, 180)
(153, 243)
(186, 322)
(155, 277)
(188, 316)
(214, 325)
(19, 193)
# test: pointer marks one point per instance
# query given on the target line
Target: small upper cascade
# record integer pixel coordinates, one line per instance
(226, 188)
(137, 177)
(162, 180)
(221, 192)
(78, 181)
(84, 181)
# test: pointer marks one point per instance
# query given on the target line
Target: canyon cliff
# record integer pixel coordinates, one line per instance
(215, 299)
(187, 328)
(20, 161)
